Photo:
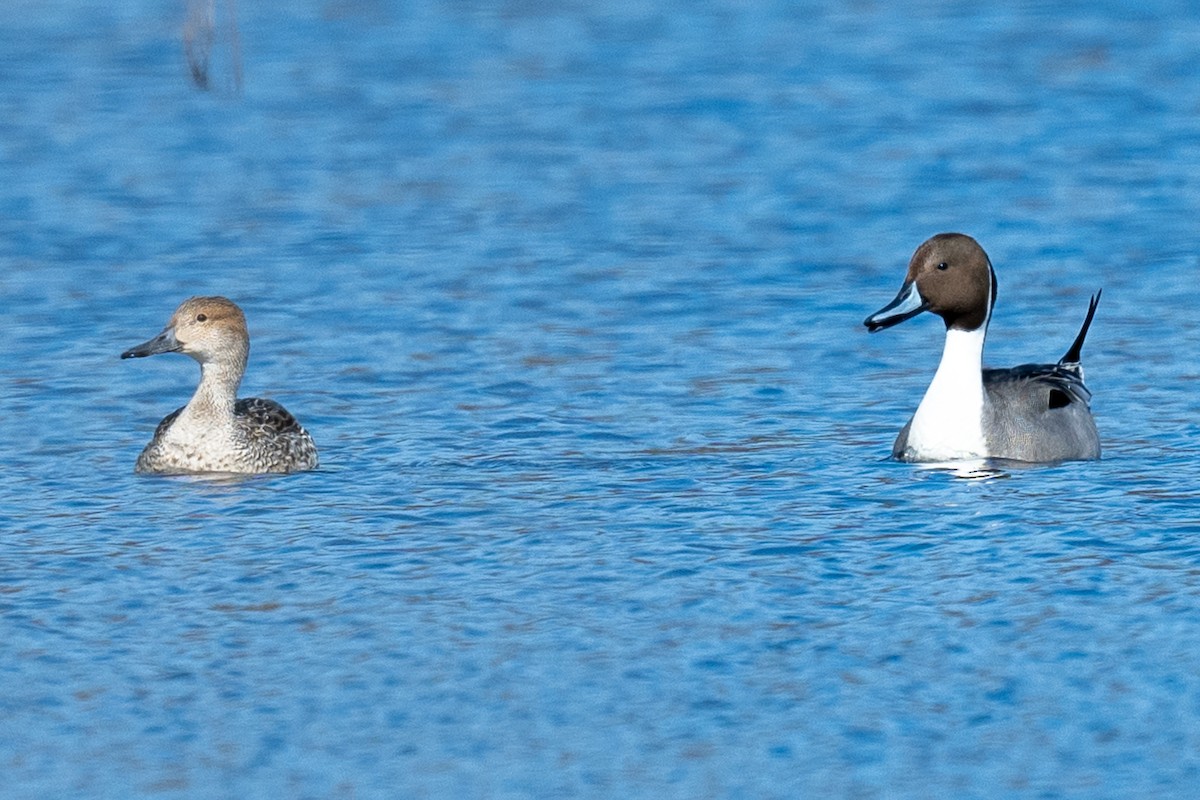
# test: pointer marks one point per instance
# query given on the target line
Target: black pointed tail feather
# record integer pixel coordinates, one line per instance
(1073, 355)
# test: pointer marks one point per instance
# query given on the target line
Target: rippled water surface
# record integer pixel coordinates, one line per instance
(570, 296)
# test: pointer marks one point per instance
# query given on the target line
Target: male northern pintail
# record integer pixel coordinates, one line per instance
(1034, 412)
(216, 432)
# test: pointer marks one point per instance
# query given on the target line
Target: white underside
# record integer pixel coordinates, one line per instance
(199, 440)
(948, 424)
(200, 433)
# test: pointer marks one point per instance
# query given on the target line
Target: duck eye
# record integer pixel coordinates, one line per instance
(943, 266)
(201, 317)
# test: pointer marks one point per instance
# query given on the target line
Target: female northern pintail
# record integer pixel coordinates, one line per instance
(1034, 412)
(216, 432)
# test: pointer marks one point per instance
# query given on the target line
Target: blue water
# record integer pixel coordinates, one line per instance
(570, 296)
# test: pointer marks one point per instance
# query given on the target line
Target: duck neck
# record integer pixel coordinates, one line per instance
(949, 422)
(217, 392)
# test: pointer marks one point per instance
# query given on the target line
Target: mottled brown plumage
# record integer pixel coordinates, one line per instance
(215, 432)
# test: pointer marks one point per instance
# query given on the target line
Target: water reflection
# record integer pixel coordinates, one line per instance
(976, 469)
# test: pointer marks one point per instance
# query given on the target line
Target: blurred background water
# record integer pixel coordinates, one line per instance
(570, 296)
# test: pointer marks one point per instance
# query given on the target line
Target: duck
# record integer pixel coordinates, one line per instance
(216, 432)
(1036, 413)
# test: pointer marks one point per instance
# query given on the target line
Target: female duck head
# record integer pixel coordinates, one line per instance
(205, 328)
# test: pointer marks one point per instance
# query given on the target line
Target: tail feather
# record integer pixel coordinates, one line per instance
(1073, 355)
